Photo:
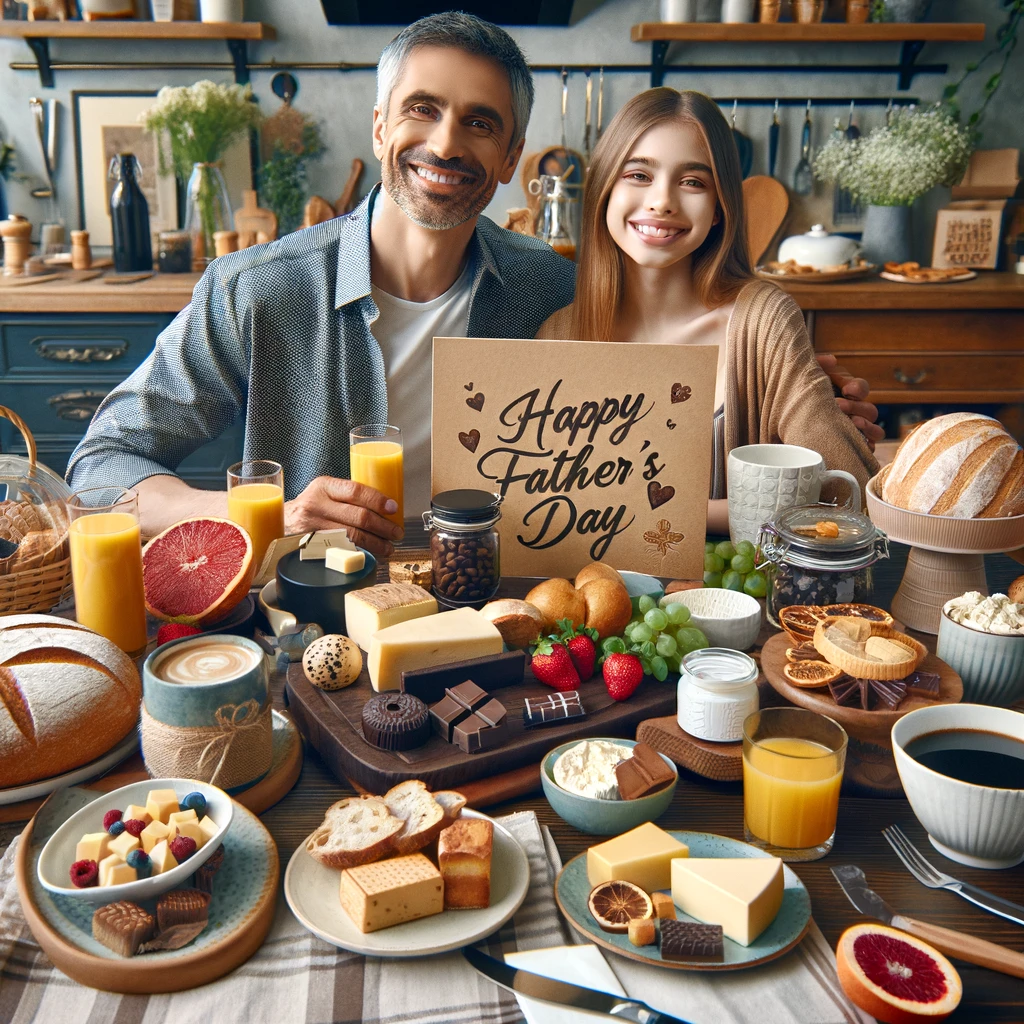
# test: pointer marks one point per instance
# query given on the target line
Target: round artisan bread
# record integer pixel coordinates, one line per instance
(961, 465)
(1015, 592)
(67, 696)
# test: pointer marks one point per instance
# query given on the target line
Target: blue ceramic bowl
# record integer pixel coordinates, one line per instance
(638, 584)
(603, 817)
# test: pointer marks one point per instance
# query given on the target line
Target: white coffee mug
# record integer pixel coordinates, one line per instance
(764, 479)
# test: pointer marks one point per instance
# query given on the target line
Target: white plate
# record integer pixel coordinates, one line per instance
(58, 854)
(312, 892)
(45, 787)
(967, 275)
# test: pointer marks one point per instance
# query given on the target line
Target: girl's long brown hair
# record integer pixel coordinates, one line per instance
(721, 265)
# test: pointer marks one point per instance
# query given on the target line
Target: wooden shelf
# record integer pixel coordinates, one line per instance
(248, 30)
(820, 32)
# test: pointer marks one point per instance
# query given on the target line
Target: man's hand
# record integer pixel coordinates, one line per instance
(854, 401)
(329, 503)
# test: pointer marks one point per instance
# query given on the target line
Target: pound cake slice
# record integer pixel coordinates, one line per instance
(464, 856)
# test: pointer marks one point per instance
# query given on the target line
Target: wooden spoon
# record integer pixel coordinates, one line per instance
(344, 203)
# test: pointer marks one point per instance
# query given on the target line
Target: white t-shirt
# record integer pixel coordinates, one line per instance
(405, 332)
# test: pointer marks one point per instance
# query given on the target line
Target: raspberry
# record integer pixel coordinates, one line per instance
(115, 828)
(134, 827)
(84, 873)
(175, 631)
(182, 847)
(109, 818)
(194, 802)
(140, 860)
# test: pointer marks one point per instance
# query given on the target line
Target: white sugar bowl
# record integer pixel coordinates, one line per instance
(817, 248)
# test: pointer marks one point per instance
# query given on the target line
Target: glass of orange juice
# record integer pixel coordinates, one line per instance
(106, 564)
(375, 459)
(256, 502)
(792, 770)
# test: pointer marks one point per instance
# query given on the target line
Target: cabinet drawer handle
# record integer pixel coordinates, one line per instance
(909, 379)
(77, 406)
(59, 353)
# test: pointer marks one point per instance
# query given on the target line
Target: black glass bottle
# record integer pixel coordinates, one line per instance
(129, 215)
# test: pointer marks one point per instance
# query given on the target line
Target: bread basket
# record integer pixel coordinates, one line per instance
(33, 515)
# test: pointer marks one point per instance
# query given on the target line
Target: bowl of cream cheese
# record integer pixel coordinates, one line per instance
(579, 782)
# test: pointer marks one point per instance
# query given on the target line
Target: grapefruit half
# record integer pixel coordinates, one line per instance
(895, 977)
(197, 571)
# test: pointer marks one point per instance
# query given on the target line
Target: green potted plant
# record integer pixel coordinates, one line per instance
(891, 167)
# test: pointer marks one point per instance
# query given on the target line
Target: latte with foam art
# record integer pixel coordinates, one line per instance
(199, 663)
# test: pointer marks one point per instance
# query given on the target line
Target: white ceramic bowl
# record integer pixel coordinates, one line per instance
(980, 826)
(59, 852)
(991, 665)
(726, 617)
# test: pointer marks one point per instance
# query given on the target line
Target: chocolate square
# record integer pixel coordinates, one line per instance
(645, 772)
(493, 712)
(555, 707)
(686, 940)
(491, 672)
(468, 694)
(444, 715)
(473, 734)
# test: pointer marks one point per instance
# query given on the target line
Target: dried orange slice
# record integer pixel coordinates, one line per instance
(811, 674)
(614, 904)
(800, 620)
(859, 611)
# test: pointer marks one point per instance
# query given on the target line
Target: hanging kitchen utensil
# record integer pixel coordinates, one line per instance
(39, 117)
(600, 102)
(803, 177)
(765, 205)
(744, 146)
(773, 141)
(844, 209)
(345, 200)
(283, 127)
(587, 119)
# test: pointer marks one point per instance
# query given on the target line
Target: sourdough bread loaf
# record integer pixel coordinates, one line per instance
(961, 465)
(67, 696)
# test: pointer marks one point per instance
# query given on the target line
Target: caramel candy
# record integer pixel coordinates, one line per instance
(123, 927)
(664, 908)
(643, 773)
(641, 931)
(182, 906)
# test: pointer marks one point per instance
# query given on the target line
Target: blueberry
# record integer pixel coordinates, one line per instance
(140, 860)
(115, 828)
(194, 802)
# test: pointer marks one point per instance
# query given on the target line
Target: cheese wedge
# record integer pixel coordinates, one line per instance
(114, 871)
(642, 856)
(124, 844)
(314, 546)
(193, 831)
(343, 560)
(133, 812)
(742, 894)
(209, 827)
(426, 642)
(179, 816)
(93, 846)
(161, 858)
(390, 892)
(384, 605)
(153, 833)
(161, 804)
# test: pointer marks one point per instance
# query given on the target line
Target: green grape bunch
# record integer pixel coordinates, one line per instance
(732, 567)
(659, 637)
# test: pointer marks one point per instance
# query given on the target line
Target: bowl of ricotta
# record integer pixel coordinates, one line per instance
(579, 782)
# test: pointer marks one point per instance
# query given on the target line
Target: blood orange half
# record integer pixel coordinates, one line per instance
(895, 977)
(197, 571)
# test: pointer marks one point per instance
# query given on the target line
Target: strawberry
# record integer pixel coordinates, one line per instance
(622, 675)
(580, 642)
(552, 665)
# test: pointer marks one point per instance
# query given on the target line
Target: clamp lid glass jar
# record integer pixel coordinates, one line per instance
(717, 690)
(464, 546)
(811, 563)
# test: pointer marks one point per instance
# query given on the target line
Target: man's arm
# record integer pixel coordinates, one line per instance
(853, 398)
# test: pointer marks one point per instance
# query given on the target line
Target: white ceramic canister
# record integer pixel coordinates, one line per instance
(717, 690)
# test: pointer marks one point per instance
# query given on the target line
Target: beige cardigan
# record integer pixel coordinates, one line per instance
(775, 391)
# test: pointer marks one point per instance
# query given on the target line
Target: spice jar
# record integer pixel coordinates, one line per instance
(805, 567)
(717, 690)
(464, 555)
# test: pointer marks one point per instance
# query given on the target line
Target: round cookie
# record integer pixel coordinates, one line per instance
(332, 662)
(396, 720)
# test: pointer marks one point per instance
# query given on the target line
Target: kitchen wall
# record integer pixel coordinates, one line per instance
(343, 101)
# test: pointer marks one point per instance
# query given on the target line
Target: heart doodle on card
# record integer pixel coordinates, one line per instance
(680, 393)
(470, 440)
(468, 387)
(670, 425)
(476, 402)
(658, 495)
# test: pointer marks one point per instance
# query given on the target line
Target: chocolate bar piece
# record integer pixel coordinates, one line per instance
(685, 940)
(555, 707)
(445, 715)
(473, 734)
(123, 927)
(490, 673)
(468, 694)
(182, 906)
(645, 772)
(493, 712)
(923, 684)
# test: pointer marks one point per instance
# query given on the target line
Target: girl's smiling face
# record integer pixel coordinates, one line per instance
(664, 202)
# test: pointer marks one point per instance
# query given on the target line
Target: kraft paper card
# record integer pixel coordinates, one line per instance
(600, 451)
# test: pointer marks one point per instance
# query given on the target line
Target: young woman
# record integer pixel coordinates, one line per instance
(663, 260)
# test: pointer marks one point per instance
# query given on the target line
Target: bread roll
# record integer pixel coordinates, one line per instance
(608, 606)
(1015, 592)
(39, 538)
(961, 465)
(596, 571)
(558, 599)
(518, 622)
(67, 696)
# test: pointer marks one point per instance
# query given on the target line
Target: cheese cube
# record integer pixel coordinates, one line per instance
(642, 856)
(209, 827)
(153, 833)
(741, 894)
(343, 560)
(114, 871)
(193, 831)
(161, 858)
(94, 846)
(124, 844)
(314, 546)
(386, 604)
(391, 892)
(430, 641)
(161, 804)
(133, 812)
(179, 816)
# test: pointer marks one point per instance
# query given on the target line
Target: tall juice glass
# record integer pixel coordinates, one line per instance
(256, 502)
(106, 564)
(375, 459)
(792, 770)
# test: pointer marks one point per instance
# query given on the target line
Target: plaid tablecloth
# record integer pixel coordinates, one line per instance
(295, 978)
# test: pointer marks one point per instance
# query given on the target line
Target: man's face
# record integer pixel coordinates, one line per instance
(444, 141)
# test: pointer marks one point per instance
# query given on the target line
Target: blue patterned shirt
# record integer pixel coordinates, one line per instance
(280, 334)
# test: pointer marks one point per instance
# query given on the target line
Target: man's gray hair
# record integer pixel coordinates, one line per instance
(463, 32)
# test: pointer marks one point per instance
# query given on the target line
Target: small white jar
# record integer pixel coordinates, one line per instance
(717, 690)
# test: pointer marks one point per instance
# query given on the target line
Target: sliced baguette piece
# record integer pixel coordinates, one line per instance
(452, 802)
(421, 814)
(355, 831)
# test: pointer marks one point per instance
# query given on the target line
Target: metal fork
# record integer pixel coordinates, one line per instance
(927, 874)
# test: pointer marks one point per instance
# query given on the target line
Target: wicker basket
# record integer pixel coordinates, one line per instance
(48, 581)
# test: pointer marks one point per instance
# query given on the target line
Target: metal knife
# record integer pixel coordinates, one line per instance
(965, 947)
(562, 993)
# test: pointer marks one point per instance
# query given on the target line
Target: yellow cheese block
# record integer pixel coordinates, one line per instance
(343, 560)
(161, 804)
(426, 642)
(642, 856)
(114, 871)
(153, 833)
(124, 844)
(161, 858)
(133, 812)
(209, 827)
(384, 605)
(390, 892)
(742, 894)
(193, 831)
(179, 816)
(94, 846)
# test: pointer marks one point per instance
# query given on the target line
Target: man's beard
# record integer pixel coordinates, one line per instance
(432, 210)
